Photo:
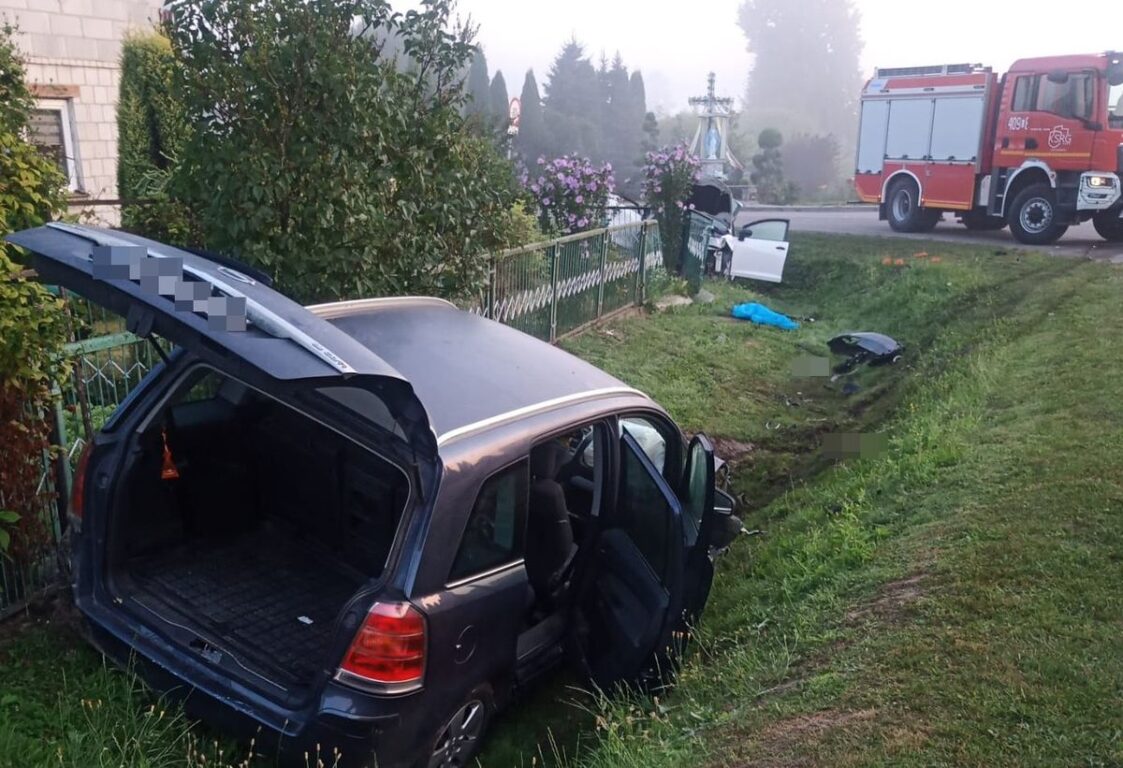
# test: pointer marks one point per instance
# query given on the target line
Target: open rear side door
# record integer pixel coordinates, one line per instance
(634, 599)
(222, 316)
(710, 517)
(759, 250)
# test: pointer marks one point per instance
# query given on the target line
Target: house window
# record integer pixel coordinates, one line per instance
(52, 131)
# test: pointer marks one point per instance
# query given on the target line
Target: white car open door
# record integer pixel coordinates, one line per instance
(759, 250)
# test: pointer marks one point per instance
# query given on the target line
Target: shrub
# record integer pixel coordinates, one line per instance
(768, 171)
(669, 177)
(571, 194)
(31, 185)
(32, 322)
(343, 171)
(152, 131)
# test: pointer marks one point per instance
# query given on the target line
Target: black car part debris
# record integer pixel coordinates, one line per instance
(865, 348)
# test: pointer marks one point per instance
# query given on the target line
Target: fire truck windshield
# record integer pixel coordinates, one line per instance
(1115, 106)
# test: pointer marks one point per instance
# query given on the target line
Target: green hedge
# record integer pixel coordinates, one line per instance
(151, 130)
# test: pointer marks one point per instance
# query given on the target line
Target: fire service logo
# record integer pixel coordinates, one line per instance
(1060, 137)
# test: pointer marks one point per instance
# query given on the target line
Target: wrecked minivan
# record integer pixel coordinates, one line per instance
(367, 526)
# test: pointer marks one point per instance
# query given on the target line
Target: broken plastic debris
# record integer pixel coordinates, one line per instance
(305, 620)
(865, 347)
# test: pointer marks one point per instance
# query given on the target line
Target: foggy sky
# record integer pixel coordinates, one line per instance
(676, 43)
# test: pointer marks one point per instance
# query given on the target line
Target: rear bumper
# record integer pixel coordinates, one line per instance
(355, 724)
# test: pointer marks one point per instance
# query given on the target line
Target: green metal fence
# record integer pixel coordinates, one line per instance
(554, 288)
(107, 362)
(547, 290)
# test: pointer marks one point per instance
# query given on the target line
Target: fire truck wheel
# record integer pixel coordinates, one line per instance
(904, 211)
(1033, 216)
(1110, 226)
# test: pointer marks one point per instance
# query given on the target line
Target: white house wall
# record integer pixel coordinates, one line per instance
(72, 49)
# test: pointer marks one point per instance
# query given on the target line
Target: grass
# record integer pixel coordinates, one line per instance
(952, 601)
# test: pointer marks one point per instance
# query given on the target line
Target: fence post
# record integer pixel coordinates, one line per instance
(491, 275)
(641, 287)
(553, 251)
(603, 262)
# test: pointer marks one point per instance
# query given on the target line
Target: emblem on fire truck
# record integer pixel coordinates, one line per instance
(1059, 137)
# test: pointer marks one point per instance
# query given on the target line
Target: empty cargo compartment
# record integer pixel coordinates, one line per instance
(251, 526)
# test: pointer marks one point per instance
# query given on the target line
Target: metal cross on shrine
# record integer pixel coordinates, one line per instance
(711, 143)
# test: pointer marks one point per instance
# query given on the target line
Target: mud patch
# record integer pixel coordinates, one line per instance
(891, 602)
(787, 743)
(730, 450)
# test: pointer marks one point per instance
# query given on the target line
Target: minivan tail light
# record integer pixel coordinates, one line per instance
(78, 483)
(388, 652)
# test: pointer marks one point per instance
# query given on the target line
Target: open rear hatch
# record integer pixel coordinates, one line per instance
(273, 521)
(221, 315)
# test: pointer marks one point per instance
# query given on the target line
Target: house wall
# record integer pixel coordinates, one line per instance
(72, 49)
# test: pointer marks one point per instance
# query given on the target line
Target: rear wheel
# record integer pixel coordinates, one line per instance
(1110, 226)
(458, 741)
(904, 210)
(1033, 216)
(977, 221)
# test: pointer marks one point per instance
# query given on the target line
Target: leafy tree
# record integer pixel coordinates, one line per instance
(33, 323)
(810, 162)
(531, 143)
(573, 102)
(768, 170)
(500, 102)
(807, 76)
(322, 161)
(151, 130)
(650, 132)
(479, 84)
(31, 185)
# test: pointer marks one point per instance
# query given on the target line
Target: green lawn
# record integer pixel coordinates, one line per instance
(954, 600)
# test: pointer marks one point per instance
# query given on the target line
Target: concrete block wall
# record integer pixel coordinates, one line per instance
(73, 50)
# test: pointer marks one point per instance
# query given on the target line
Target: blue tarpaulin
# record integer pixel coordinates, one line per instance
(762, 315)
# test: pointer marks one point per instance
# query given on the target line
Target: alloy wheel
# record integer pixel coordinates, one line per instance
(457, 742)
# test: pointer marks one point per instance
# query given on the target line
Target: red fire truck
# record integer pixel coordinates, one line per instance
(1039, 148)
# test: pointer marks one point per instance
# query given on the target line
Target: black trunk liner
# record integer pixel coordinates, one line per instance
(268, 596)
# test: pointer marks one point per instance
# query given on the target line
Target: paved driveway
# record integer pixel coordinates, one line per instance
(1078, 242)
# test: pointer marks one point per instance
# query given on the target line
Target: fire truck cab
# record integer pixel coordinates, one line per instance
(1037, 149)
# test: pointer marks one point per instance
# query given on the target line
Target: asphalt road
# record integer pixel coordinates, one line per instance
(1078, 242)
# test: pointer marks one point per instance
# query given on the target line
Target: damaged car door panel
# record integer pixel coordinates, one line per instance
(366, 526)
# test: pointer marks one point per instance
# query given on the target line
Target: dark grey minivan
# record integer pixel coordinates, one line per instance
(365, 526)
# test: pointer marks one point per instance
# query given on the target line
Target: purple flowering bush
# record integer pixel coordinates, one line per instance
(669, 175)
(571, 193)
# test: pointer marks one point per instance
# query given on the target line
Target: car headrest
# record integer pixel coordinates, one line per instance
(546, 461)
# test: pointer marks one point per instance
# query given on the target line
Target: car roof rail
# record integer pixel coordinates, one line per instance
(263, 318)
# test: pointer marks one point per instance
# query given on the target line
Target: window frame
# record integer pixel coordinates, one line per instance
(452, 580)
(1034, 94)
(675, 449)
(68, 132)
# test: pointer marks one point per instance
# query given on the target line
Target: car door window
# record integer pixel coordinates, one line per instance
(697, 488)
(650, 438)
(644, 512)
(494, 535)
(772, 231)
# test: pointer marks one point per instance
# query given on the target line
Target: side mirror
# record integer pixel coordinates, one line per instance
(726, 525)
(1115, 72)
(744, 234)
(1058, 77)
